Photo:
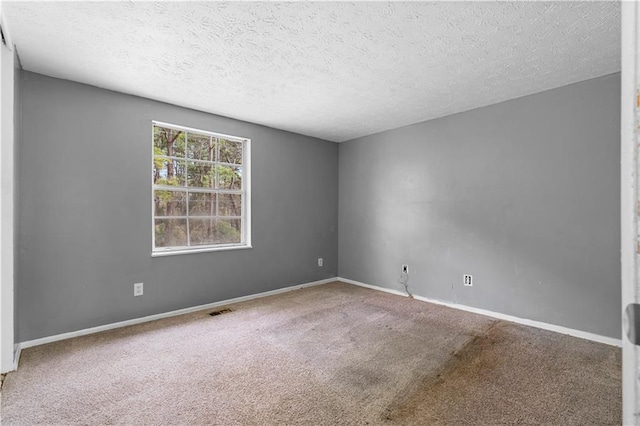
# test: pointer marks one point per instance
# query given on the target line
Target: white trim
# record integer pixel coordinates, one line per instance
(106, 327)
(629, 47)
(531, 323)
(16, 355)
(98, 329)
(538, 324)
(246, 189)
(173, 252)
(372, 287)
(206, 132)
(7, 199)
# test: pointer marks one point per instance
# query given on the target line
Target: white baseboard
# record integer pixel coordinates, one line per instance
(92, 330)
(372, 287)
(538, 324)
(17, 350)
(545, 326)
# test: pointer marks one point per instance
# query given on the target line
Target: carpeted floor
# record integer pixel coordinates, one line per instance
(326, 355)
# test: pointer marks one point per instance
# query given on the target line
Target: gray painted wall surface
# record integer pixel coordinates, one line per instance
(85, 212)
(524, 195)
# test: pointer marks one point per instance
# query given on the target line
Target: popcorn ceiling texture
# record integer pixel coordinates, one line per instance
(336, 71)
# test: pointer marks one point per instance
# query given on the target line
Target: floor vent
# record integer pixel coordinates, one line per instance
(220, 312)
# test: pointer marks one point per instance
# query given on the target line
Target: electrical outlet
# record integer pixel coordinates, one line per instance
(468, 280)
(405, 269)
(138, 289)
(320, 262)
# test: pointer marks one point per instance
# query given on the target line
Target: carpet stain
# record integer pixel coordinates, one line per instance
(472, 362)
(220, 312)
(362, 379)
(489, 381)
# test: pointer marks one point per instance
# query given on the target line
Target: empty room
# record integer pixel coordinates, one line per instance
(317, 213)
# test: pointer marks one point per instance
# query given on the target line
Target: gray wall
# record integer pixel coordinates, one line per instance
(524, 195)
(85, 212)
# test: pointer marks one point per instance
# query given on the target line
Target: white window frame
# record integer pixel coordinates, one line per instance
(245, 238)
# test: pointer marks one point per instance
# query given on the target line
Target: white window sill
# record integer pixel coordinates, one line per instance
(198, 250)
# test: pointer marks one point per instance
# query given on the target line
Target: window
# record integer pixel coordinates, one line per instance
(200, 190)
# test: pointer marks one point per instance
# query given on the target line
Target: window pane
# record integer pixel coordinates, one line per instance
(170, 203)
(201, 175)
(229, 177)
(171, 232)
(168, 172)
(203, 231)
(230, 151)
(211, 231)
(229, 230)
(202, 204)
(230, 205)
(168, 142)
(201, 147)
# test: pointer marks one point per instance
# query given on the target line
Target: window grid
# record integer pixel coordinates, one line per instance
(215, 191)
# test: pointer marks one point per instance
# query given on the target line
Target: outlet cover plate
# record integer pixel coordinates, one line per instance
(467, 280)
(138, 289)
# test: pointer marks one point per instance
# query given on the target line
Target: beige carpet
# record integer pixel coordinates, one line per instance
(326, 355)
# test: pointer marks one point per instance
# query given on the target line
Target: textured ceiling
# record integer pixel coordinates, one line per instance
(328, 69)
